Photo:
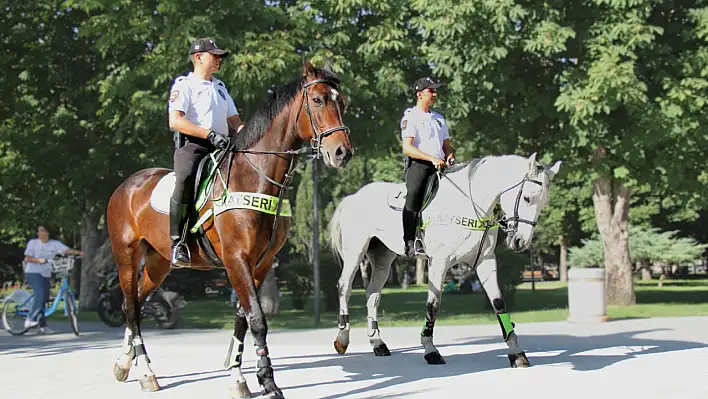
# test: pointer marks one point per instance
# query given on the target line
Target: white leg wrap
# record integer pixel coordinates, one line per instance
(128, 342)
(125, 359)
(235, 354)
(142, 362)
(427, 343)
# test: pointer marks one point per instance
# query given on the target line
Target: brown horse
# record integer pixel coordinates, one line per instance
(260, 160)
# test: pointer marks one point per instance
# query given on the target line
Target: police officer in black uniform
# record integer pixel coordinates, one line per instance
(201, 109)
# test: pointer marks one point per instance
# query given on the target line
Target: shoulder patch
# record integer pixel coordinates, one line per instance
(404, 124)
(174, 95)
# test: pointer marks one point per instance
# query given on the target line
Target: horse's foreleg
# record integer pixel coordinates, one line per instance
(487, 273)
(234, 356)
(240, 276)
(351, 264)
(380, 269)
(436, 273)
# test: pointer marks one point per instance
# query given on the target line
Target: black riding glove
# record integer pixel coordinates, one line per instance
(218, 140)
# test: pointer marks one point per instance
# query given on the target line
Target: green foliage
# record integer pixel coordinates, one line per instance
(84, 85)
(646, 245)
(510, 268)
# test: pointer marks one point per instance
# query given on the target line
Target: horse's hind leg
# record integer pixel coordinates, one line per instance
(487, 272)
(234, 356)
(351, 257)
(381, 259)
(156, 268)
(124, 255)
(436, 274)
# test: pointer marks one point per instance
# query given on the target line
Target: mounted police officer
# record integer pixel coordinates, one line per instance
(201, 109)
(426, 144)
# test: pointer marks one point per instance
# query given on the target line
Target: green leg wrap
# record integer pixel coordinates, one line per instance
(506, 325)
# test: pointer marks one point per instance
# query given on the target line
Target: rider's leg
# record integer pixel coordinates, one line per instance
(417, 176)
(186, 160)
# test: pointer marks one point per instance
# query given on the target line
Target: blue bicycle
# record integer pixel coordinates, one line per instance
(17, 305)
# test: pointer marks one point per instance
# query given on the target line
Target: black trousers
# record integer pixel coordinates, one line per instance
(417, 174)
(186, 161)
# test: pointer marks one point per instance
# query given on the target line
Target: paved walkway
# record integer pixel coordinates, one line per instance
(645, 358)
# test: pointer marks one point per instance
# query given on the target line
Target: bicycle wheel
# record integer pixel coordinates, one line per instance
(13, 317)
(70, 307)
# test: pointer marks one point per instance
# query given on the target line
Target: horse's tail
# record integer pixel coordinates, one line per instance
(335, 232)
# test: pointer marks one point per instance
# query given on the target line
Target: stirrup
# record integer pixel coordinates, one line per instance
(180, 263)
(419, 248)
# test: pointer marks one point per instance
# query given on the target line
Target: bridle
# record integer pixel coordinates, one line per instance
(504, 221)
(315, 144)
(316, 140)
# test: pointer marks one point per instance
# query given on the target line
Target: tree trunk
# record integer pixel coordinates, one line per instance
(563, 258)
(420, 271)
(90, 242)
(611, 199)
(269, 294)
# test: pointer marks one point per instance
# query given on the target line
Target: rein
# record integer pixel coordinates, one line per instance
(503, 221)
(284, 186)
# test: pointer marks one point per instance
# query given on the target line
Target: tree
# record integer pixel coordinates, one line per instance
(646, 246)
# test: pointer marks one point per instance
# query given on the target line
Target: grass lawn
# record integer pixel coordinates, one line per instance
(549, 302)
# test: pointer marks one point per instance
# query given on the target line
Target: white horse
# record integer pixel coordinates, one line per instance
(459, 226)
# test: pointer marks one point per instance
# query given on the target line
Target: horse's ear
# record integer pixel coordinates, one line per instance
(532, 164)
(554, 169)
(308, 69)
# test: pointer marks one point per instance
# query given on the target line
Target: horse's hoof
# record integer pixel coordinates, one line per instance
(272, 395)
(340, 347)
(148, 383)
(434, 358)
(519, 360)
(381, 350)
(120, 373)
(240, 391)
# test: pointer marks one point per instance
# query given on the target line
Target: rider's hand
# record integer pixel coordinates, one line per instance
(438, 163)
(219, 140)
(42, 260)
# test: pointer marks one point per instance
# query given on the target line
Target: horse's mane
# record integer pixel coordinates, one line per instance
(278, 98)
(475, 163)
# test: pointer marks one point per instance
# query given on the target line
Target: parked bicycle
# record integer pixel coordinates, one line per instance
(18, 304)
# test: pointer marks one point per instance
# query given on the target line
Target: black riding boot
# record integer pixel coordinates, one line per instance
(413, 248)
(178, 219)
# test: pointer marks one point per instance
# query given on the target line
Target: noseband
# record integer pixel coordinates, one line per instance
(317, 139)
(504, 222)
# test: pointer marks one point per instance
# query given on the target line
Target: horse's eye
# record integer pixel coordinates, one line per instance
(527, 199)
(317, 100)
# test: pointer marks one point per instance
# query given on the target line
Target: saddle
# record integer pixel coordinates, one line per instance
(204, 180)
(396, 198)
